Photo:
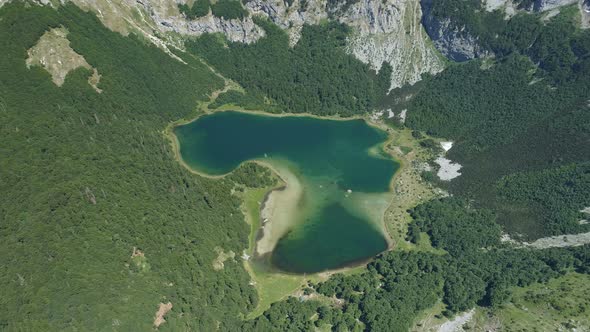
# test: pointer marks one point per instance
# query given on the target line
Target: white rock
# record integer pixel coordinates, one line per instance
(457, 323)
(446, 145)
(492, 5)
(448, 170)
(402, 115)
(560, 241)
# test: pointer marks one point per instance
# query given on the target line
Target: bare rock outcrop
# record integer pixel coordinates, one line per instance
(383, 30)
(390, 31)
(456, 43)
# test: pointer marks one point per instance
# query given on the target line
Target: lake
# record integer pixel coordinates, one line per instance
(338, 183)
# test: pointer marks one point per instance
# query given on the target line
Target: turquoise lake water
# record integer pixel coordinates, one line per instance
(340, 166)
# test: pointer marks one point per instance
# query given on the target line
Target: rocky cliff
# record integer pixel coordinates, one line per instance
(585, 10)
(535, 6)
(390, 31)
(456, 43)
(383, 30)
(544, 5)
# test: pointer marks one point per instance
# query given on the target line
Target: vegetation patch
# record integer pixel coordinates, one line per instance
(560, 304)
(199, 8)
(315, 76)
(53, 52)
(516, 119)
(139, 260)
(221, 258)
(228, 9)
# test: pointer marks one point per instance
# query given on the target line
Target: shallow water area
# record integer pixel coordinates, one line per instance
(337, 182)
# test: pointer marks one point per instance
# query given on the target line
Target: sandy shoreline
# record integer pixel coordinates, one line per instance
(278, 209)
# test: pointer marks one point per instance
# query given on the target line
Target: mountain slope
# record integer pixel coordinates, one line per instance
(99, 223)
(385, 31)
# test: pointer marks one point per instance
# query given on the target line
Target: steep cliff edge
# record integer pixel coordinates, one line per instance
(391, 32)
(451, 38)
(585, 10)
(383, 30)
(463, 30)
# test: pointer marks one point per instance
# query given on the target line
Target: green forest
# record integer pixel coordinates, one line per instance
(315, 76)
(99, 223)
(86, 177)
(227, 9)
(198, 9)
(476, 270)
(523, 113)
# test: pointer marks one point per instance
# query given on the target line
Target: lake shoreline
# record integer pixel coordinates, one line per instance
(278, 206)
(269, 201)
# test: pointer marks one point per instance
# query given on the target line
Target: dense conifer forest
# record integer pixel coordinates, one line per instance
(86, 177)
(315, 76)
(227, 9)
(518, 121)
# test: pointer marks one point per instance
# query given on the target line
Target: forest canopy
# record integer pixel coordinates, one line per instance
(100, 224)
(315, 76)
(524, 112)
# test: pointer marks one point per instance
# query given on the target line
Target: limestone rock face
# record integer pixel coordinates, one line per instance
(536, 6)
(383, 30)
(290, 17)
(390, 31)
(585, 10)
(455, 43)
(244, 31)
(168, 18)
(544, 5)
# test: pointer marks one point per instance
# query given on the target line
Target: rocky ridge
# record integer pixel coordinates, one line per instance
(383, 30)
(391, 32)
(537, 6)
(457, 44)
(585, 10)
